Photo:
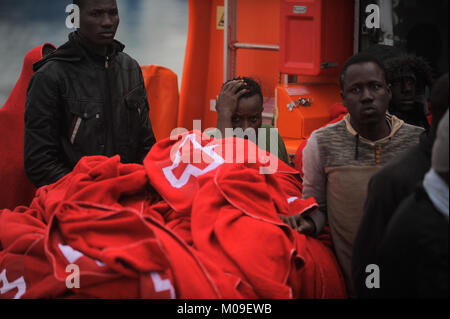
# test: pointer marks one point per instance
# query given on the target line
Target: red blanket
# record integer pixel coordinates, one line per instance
(168, 229)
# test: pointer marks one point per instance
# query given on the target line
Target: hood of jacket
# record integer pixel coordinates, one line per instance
(74, 50)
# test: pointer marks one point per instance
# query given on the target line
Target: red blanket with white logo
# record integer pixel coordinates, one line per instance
(194, 221)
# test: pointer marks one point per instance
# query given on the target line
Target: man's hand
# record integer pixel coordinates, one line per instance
(304, 225)
(227, 103)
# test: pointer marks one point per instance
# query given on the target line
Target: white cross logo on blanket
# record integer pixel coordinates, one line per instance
(8, 286)
(73, 255)
(162, 285)
(190, 169)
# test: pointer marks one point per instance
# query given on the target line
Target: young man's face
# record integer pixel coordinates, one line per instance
(99, 20)
(404, 92)
(365, 93)
(248, 113)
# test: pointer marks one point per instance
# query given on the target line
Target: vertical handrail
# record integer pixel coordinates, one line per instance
(225, 42)
(230, 44)
(356, 27)
(230, 34)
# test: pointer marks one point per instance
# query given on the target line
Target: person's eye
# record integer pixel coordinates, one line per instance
(355, 90)
(114, 12)
(376, 86)
(253, 119)
(95, 14)
(235, 119)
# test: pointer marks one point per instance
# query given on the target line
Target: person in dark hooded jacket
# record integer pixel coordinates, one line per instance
(86, 98)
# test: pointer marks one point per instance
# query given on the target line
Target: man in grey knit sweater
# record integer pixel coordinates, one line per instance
(340, 159)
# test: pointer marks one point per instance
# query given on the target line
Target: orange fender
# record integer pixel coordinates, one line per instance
(161, 85)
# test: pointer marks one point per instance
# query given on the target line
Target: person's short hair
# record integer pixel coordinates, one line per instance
(357, 59)
(252, 86)
(400, 65)
(79, 3)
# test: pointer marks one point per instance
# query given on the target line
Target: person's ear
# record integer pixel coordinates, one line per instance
(389, 91)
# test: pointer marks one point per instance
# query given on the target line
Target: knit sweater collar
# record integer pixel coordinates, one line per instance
(394, 123)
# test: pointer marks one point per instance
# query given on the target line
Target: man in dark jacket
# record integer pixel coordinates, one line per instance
(87, 98)
(413, 255)
(389, 187)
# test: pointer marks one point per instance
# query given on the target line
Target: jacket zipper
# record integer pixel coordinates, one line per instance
(75, 130)
(109, 138)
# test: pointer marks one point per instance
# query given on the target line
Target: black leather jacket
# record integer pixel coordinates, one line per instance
(81, 104)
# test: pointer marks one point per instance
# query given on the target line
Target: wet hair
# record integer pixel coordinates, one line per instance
(252, 86)
(79, 3)
(398, 66)
(358, 59)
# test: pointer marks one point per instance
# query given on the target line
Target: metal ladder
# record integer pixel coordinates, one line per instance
(231, 45)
